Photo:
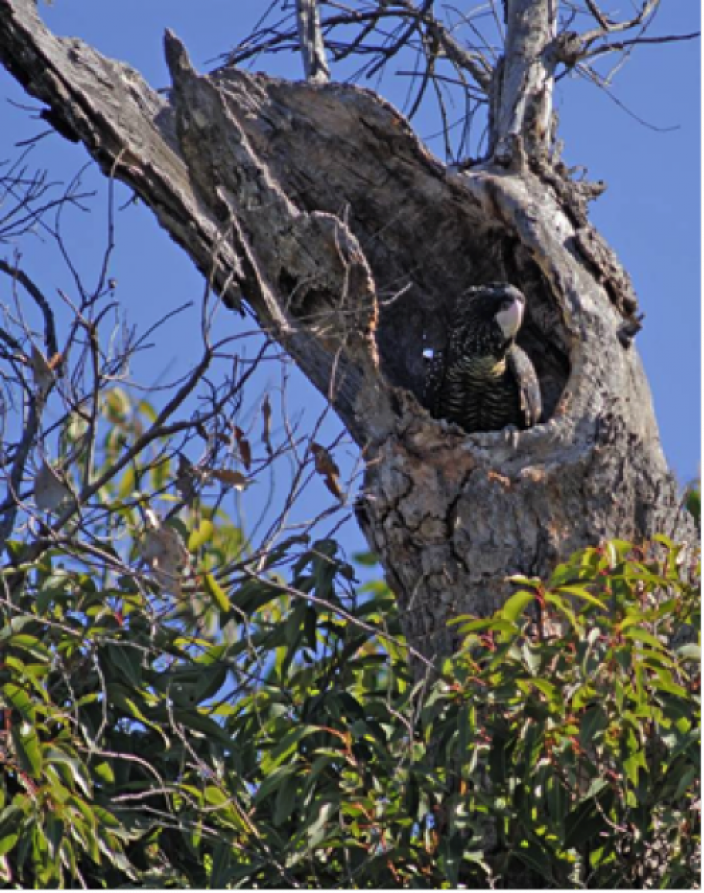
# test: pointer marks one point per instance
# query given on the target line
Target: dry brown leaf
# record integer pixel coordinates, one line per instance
(266, 429)
(232, 478)
(243, 446)
(327, 469)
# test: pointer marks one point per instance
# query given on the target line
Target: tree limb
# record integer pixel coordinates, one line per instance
(310, 35)
(522, 104)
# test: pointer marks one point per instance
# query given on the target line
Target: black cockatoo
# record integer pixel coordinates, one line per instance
(482, 380)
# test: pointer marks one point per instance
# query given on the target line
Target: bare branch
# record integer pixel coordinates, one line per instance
(34, 399)
(608, 27)
(380, 30)
(621, 45)
(40, 300)
(473, 62)
(598, 14)
(312, 44)
(29, 434)
(404, 35)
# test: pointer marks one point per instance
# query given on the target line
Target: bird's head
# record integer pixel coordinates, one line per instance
(489, 316)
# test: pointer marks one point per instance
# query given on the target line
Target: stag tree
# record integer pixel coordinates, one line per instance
(309, 206)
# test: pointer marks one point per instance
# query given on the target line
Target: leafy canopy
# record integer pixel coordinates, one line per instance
(264, 727)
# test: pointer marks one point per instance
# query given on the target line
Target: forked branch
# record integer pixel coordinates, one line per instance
(580, 47)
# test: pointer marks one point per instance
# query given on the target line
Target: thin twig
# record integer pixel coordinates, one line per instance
(15, 273)
(621, 45)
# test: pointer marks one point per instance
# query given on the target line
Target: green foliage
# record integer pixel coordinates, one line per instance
(693, 502)
(300, 751)
(258, 722)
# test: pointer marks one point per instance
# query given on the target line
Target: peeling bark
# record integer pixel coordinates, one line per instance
(317, 206)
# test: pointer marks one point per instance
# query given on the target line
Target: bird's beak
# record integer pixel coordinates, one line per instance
(511, 318)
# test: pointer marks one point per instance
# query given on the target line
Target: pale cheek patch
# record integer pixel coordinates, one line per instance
(510, 320)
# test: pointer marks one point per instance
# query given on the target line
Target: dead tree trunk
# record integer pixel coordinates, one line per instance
(313, 204)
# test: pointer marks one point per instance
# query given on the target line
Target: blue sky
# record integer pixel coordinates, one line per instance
(650, 212)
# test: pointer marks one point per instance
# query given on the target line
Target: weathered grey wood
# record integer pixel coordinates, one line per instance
(318, 206)
(456, 514)
(522, 93)
(310, 35)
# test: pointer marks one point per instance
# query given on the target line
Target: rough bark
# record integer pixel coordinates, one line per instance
(522, 94)
(310, 35)
(318, 206)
